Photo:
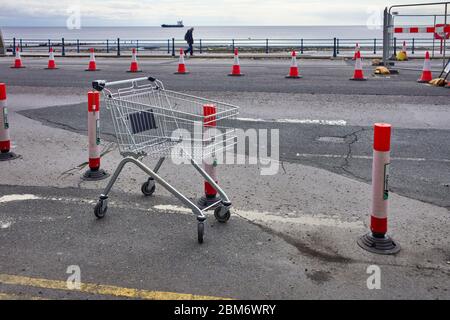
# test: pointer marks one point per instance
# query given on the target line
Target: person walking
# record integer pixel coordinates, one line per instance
(190, 41)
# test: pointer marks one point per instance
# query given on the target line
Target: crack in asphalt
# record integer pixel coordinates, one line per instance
(344, 167)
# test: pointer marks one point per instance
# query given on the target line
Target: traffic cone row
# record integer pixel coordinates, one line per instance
(294, 73)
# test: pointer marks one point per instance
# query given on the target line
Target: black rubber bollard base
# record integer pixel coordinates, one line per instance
(95, 175)
(384, 245)
(204, 202)
(7, 156)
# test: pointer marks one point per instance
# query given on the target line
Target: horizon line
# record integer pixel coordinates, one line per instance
(159, 26)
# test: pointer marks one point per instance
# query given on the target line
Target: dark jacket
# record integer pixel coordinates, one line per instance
(188, 37)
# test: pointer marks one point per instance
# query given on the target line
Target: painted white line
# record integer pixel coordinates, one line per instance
(299, 121)
(253, 120)
(171, 208)
(310, 155)
(5, 224)
(18, 197)
(254, 216)
(268, 217)
(314, 121)
(310, 220)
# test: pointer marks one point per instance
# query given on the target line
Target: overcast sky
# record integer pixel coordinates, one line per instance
(193, 12)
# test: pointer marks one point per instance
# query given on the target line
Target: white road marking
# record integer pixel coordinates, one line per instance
(171, 208)
(310, 220)
(299, 121)
(314, 121)
(268, 217)
(18, 197)
(5, 224)
(310, 155)
(254, 216)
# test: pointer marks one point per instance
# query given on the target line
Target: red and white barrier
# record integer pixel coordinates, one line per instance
(210, 197)
(426, 72)
(51, 60)
(236, 70)
(18, 60)
(293, 71)
(5, 141)
(181, 64)
(134, 67)
(94, 172)
(421, 29)
(92, 64)
(377, 240)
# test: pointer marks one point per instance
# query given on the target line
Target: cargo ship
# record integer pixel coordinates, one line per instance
(178, 25)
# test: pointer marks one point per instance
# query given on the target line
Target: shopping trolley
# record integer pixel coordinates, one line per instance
(149, 121)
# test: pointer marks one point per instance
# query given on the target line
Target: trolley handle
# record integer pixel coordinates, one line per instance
(99, 85)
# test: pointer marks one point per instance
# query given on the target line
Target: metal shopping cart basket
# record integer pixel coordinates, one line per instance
(149, 122)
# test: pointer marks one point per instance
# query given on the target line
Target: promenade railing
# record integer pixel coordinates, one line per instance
(332, 47)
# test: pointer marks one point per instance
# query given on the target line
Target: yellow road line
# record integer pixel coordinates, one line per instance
(101, 289)
(8, 296)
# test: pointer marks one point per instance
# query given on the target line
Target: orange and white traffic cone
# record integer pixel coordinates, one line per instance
(357, 49)
(51, 60)
(404, 49)
(426, 73)
(134, 67)
(236, 70)
(181, 64)
(18, 60)
(358, 74)
(293, 71)
(92, 63)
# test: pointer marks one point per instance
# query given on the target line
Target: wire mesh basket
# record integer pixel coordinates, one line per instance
(149, 120)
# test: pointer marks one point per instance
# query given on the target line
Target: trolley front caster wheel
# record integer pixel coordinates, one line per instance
(222, 214)
(100, 209)
(200, 231)
(148, 188)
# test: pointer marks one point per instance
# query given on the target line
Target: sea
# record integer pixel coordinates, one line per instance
(200, 32)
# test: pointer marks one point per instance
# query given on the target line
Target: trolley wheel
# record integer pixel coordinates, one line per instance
(200, 231)
(148, 188)
(100, 209)
(221, 216)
